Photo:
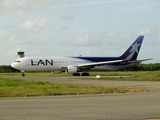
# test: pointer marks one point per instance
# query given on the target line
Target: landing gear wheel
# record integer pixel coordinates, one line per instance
(76, 74)
(23, 74)
(85, 74)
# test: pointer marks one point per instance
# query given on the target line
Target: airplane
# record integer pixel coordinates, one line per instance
(74, 65)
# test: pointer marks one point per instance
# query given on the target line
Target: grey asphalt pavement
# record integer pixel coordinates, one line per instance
(129, 106)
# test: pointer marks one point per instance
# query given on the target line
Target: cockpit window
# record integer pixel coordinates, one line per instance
(18, 61)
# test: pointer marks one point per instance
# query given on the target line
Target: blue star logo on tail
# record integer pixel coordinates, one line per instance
(135, 47)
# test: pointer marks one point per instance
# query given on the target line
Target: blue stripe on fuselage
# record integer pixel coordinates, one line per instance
(103, 59)
(98, 59)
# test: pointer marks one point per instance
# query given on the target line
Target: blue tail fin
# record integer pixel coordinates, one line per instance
(132, 52)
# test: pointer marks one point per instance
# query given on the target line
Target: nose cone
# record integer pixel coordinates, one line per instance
(14, 65)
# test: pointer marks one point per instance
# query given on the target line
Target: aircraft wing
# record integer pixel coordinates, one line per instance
(93, 64)
(90, 65)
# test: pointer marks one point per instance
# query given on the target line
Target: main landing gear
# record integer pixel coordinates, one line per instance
(83, 74)
(76, 74)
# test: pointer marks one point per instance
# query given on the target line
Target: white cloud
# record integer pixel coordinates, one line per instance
(38, 23)
(92, 40)
(111, 33)
(147, 31)
(84, 41)
(20, 7)
(9, 6)
(150, 38)
(34, 24)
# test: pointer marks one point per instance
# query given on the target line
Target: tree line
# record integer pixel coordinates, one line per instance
(140, 67)
(7, 69)
(143, 67)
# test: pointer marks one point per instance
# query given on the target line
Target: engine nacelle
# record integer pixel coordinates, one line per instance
(71, 69)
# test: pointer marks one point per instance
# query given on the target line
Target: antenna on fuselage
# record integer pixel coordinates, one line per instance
(20, 54)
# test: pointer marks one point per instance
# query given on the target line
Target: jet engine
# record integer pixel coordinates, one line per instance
(71, 69)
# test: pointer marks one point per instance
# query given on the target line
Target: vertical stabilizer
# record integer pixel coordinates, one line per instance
(132, 52)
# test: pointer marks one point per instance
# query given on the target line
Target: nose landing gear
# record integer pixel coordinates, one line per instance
(22, 73)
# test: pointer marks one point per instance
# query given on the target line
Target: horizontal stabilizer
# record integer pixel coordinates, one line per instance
(140, 60)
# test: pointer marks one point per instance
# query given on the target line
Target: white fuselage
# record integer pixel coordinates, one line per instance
(45, 63)
(56, 64)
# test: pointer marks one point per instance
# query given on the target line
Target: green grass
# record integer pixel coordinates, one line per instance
(125, 73)
(114, 73)
(133, 75)
(10, 87)
(35, 74)
(21, 88)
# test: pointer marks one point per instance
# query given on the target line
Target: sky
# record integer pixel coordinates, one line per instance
(78, 27)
